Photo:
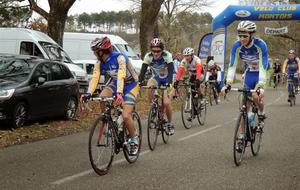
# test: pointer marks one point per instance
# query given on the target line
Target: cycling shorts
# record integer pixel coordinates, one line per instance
(251, 79)
(130, 91)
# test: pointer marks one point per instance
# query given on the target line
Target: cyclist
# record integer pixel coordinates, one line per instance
(254, 53)
(214, 73)
(193, 65)
(277, 71)
(161, 63)
(122, 83)
(292, 63)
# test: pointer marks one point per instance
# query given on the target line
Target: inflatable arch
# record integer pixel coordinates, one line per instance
(254, 13)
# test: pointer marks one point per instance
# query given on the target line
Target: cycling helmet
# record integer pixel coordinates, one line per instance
(292, 51)
(100, 43)
(157, 42)
(188, 51)
(246, 26)
(210, 63)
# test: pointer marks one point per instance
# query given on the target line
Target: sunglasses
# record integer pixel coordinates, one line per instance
(243, 36)
(156, 51)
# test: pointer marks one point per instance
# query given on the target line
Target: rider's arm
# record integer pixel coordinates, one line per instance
(146, 63)
(219, 74)
(298, 61)
(170, 72)
(263, 64)
(95, 79)
(207, 75)
(233, 61)
(198, 70)
(121, 73)
(284, 66)
(143, 72)
(180, 70)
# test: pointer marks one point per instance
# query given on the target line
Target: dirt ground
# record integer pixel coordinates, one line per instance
(55, 127)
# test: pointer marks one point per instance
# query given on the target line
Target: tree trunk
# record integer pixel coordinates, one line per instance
(56, 17)
(149, 13)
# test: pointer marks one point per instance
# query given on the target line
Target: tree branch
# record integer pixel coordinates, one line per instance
(39, 10)
(288, 37)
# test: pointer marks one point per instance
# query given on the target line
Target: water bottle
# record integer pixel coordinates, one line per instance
(120, 123)
(251, 119)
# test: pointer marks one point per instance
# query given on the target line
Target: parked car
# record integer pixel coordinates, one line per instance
(25, 41)
(32, 88)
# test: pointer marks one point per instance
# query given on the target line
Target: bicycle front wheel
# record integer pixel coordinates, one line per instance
(201, 111)
(239, 144)
(187, 112)
(256, 136)
(101, 146)
(138, 129)
(164, 134)
(152, 129)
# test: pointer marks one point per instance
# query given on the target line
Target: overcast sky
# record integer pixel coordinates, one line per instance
(90, 6)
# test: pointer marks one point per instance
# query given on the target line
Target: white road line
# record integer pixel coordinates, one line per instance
(87, 172)
(199, 133)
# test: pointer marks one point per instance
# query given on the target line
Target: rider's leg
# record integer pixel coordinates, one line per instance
(167, 105)
(151, 82)
(107, 92)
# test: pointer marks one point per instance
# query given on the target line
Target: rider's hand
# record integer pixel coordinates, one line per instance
(176, 84)
(85, 97)
(227, 88)
(198, 83)
(260, 91)
(119, 99)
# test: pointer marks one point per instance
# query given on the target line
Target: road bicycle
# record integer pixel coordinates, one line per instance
(293, 89)
(156, 123)
(251, 127)
(276, 78)
(193, 106)
(109, 135)
(211, 92)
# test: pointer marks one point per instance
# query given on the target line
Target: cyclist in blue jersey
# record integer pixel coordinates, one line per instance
(292, 65)
(122, 83)
(161, 63)
(254, 53)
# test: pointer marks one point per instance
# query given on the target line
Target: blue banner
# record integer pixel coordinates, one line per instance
(205, 46)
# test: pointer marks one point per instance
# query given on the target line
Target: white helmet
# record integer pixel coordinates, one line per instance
(292, 51)
(210, 63)
(188, 51)
(246, 26)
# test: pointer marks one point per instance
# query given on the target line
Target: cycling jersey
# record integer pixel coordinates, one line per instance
(256, 59)
(213, 73)
(118, 67)
(293, 65)
(277, 68)
(194, 67)
(162, 68)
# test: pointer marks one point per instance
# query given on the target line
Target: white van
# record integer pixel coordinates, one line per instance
(77, 45)
(31, 42)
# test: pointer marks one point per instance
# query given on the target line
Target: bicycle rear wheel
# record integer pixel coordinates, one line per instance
(239, 145)
(138, 128)
(164, 134)
(101, 146)
(201, 111)
(187, 112)
(256, 136)
(152, 128)
(215, 95)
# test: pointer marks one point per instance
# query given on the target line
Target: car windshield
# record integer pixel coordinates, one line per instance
(124, 48)
(55, 52)
(14, 69)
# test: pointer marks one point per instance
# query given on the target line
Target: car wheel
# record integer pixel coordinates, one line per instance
(19, 115)
(71, 108)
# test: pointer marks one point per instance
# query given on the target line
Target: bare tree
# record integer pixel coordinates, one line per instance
(150, 10)
(56, 16)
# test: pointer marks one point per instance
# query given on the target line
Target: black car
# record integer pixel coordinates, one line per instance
(32, 88)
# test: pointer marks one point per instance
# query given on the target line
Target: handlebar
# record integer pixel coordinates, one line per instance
(154, 87)
(242, 90)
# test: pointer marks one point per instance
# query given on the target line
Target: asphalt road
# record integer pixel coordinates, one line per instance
(198, 158)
